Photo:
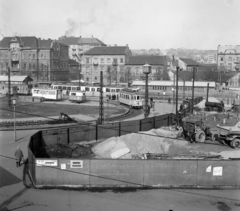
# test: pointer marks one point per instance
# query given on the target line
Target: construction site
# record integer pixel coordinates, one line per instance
(198, 148)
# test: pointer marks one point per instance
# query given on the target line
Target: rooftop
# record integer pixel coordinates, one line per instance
(107, 50)
(152, 60)
(15, 78)
(23, 41)
(80, 40)
(189, 62)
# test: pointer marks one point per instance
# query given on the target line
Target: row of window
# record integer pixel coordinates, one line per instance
(132, 97)
(230, 59)
(102, 60)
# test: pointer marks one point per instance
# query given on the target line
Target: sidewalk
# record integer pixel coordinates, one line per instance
(160, 109)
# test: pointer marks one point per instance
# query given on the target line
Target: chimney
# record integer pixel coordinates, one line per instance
(127, 45)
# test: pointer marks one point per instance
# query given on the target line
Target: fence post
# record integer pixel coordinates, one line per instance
(140, 125)
(168, 121)
(96, 132)
(68, 135)
(119, 129)
(153, 122)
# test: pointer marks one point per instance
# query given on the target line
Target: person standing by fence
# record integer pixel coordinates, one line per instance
(19, 156)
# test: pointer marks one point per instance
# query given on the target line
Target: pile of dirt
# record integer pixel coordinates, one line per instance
(139, 143)
(72, 150)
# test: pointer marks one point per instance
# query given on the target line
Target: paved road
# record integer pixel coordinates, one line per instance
(15, 196)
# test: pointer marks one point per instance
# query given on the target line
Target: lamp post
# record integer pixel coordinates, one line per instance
(115, 64)
(146, 71)
(14, 105)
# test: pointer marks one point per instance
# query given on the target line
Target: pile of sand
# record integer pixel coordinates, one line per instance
(201, 105)
(139, 143)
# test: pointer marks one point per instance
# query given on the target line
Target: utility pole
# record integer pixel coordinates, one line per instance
(193, 89)
(9, 87)
(101, 115)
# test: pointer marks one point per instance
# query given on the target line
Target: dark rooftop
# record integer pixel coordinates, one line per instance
(107, 50)
(152, 60)
(189, 62)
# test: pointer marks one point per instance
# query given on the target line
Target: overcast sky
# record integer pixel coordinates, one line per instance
(200, 24)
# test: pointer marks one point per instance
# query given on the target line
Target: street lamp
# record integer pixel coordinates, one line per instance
(14, 101)
(115, 64)
(146, 71)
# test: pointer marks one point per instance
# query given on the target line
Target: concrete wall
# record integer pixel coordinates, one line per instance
(142, 173)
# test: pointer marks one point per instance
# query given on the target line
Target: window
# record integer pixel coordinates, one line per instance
(42, 55)
(98, 89)
(121, 60)
(102, 60)
(24, 66)
(42, 66)
(238, 59)
(229, 59)
(30, 56)
(73, 94)
(95, 78)
(95, 60)
(93, 89)
(33, 56)
(108, 60)
(87, 60)
(30, 66)
(87, 88)
(107, 90)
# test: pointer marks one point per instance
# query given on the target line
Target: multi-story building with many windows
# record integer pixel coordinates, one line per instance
(79, 45)
(109, 59)
(228, 57)
(134, 68)
(44, 60)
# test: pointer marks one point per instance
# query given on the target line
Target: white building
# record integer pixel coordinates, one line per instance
(228, 57)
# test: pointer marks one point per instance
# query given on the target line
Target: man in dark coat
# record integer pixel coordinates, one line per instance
(19, 156)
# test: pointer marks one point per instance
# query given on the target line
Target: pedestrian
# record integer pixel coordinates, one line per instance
(19, 156)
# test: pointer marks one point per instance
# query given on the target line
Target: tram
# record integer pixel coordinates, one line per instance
(131, 97)
(46, 93)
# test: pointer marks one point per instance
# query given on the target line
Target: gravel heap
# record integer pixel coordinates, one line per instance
(72, 150)
(139, 143)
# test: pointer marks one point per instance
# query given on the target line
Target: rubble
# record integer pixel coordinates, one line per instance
(139, 143)
(72, 150)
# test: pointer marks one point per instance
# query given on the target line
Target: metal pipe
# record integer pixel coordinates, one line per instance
(177, 95)
(15, 135)
(193, 89)
(146, 97)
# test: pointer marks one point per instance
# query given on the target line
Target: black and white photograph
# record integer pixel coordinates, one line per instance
(120, 105)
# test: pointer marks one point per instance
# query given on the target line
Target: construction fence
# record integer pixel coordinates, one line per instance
(70, 172)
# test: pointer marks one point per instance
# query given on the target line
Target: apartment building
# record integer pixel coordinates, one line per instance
(109, 59)
(228, 57)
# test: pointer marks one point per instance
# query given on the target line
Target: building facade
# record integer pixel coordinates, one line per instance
(187, 64)
(228, 57)
(43, 60)
(134, 68)
(109, 59)
(211, 57)
(79, 45)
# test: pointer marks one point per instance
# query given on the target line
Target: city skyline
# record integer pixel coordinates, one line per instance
(191, 24)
